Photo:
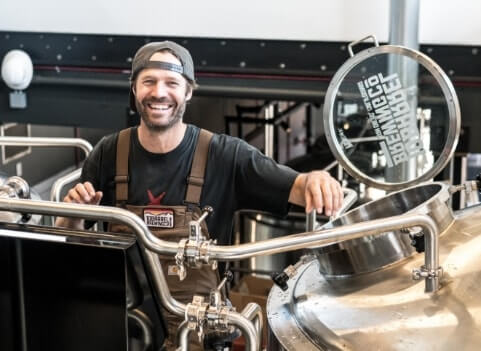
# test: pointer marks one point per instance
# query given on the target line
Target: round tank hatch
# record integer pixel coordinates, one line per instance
(391, 116)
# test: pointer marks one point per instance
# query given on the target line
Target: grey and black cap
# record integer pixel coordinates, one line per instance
(142, 60)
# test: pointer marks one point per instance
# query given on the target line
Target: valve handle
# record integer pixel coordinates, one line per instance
(281, 280)
(208, 209)
(228, 276)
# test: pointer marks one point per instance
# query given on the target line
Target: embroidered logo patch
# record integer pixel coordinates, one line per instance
(159, 218)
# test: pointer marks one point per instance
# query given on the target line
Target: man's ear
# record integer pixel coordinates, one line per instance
(188, 94)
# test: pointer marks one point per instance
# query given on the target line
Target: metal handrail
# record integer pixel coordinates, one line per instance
(61, 182)
(154, 245)
(242, 251)
(82, 144)
(40, 141)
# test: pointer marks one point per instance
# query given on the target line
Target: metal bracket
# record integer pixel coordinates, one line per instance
(201, 315)
(179, 259)
(423, 272)
(196, 315)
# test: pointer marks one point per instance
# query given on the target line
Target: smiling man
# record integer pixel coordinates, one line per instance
(165, 171)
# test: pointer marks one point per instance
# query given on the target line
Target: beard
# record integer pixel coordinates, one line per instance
(151, 125)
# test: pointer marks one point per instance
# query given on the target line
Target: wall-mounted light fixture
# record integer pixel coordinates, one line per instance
(17, 73)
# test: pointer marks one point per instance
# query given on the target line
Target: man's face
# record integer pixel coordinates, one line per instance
(161, 95)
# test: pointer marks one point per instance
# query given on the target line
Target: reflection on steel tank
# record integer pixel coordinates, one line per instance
(257, 226)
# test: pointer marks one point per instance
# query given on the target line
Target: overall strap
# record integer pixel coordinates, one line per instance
(197, 171)
(122, 168)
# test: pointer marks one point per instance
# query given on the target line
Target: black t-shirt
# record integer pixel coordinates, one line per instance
(238, 176)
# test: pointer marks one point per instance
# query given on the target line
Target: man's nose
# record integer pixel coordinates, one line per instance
(160, 90)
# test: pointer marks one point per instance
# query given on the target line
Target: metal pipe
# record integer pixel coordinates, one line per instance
(61, 182)
(56, 142)
(320, 237)
(253, 312)
(52, 142)
(145, 325)
(269, 131)
(157, 275)
(350, 197)
(182, 337)
(101, 213)
(311, 221)
(247, 329)
(238, 252)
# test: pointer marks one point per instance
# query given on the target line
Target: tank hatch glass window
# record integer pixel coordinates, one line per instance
(391, 117)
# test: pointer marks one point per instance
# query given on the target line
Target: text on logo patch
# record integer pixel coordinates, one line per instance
(159, 218)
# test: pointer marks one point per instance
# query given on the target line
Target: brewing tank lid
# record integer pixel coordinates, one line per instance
(391, 116)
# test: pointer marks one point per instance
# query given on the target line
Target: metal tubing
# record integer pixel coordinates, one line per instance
(243, 251)
(182, 337)
(101, 213)
(157, 275)
(36, 141)
(269, 132)
(145, 325)
(311, 221)
(61, 182)
(350, 197)
(253, 312)
(52, 142)
(247, 329)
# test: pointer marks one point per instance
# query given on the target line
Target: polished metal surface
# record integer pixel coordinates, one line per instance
(350, 197)
(39, 141)
(16, 187)
(386, 310)
(334, 94)
(255, 226)
(84, 145)
(63, 181)
(370, 253)
(207, 250)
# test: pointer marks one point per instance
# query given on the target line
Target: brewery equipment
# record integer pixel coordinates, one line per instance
(365, 294)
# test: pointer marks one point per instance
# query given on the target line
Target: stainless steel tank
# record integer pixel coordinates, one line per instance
(16, 187)
(255, 226)
(385, 309)
(360, 294)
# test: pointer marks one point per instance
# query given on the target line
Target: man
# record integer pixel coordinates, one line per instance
(165, 170)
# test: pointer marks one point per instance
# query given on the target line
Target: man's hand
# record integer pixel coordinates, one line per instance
(82, 193)
(317, 190)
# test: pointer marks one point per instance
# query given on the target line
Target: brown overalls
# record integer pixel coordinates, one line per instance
(171, 223)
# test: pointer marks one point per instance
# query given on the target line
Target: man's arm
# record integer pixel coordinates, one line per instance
(82, 193)
(317, 190)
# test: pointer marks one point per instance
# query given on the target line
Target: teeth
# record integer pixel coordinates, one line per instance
(160, 106)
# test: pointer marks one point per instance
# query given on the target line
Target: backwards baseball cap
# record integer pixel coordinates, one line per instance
(142, 60)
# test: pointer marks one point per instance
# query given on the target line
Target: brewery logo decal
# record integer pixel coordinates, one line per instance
(391, 117)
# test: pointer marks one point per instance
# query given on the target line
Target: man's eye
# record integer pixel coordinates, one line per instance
(173, 84)
(148, 82)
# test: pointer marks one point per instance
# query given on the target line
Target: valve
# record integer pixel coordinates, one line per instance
(282, 278)
(195, 231)
(179, 267)
(215, 294)
(423, 272)
(194, 250)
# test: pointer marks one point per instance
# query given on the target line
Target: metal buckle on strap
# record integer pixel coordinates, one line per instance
(121, 179)
(195, 181)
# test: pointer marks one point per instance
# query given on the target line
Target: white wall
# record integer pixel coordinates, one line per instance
(441, 21)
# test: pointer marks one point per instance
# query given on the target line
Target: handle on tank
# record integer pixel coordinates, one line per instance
(350, 45)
